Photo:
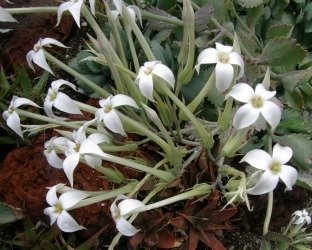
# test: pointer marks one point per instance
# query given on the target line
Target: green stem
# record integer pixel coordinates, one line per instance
(200, 189)
(132, 48)
(268, 214)
(32, 10)
(111, 194)
(163, 175)
(47, 119)
(136, 30)
(78, 76)
(206, 138)
(165, 19)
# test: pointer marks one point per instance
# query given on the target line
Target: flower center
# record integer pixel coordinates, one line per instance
(52, 95)
(257, 101)
(77, 147)
(223, 57)
(37, 48)
(148, 70)
(107, 108)
(275, 167)
(74, 1)
(58, 208)
(11, 110)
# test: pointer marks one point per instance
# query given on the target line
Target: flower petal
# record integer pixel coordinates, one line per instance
(14, 123)
(165, 73)
(137, 12)
(66, 104)
(53, 159)
(258, 159)
(19, 101)
(60, 10)
(112, 121)
(127, 205)
(69, 165)
(271, 113)
(75, 11)
(47, 107)
(55, 85)
(51, 196)
(5, 16)
(67, 223)
(146, 87)
(299, 221)
(224, 76)
(125, 227)
(115, 14)
(39, 59)
(92, 6)
(308, 219)
(71, 198)
(90, 148)
(281, 154)
(118, 4)
(224, 48)
(245, 116)
(120, 99)
(48, 41)
(266, 184)
(235, 58)
(29, 58)
(265, 94)
(50, 212)
(288, 175)
(207, 56)
(98, 138)
(242, 92)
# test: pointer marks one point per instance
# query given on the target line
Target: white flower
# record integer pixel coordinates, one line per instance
(257, 102)
(224, 58)
(303, 217)
(12, 118)
(118, 212)
(145, 77)
(5, 16)
(132, 9)
(50, 146)
(74, 7)
(108, 114)
(59, 100)
(79, 145)
(274, 168)
(59, 206)
(37, 54)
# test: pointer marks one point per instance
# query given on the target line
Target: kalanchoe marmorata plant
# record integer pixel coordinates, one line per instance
(156, 94)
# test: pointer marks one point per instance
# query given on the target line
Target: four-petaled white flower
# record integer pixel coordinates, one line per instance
(108, 114)
(37, 54)
(59, 206)
(132, 9)
(145, 77)
(50, 146)
(274, 168)
(12, 118)
(74, 7)
(257, 102)
(80, 144)
(60, 100)
(5, 16)
(303, 217)
(119, 211)
(224, 58)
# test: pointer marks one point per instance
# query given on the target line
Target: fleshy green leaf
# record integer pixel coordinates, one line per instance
(282, 51)
(159, 25)
(277, 237)
(301, 146)
(250, 3)
(279, 30)
(202, 17)
(253, 15)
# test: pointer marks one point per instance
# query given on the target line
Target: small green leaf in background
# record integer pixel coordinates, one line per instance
(9, 214)
(282, 51)
(250, 3)
(202, 17)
